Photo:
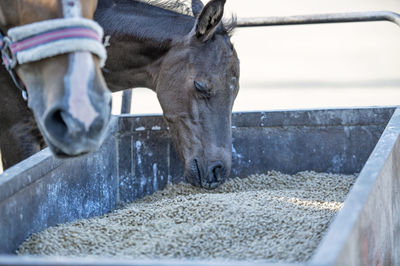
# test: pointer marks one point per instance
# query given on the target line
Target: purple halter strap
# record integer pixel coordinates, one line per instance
(10, 50)
(9, 63)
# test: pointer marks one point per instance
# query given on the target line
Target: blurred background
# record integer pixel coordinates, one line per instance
(311, 66)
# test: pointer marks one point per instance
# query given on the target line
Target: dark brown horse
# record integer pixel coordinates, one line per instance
(19, 135)
(191, 64)
(66, 92)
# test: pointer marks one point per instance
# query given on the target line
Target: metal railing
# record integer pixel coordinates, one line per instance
(300, 20)
(320, 19)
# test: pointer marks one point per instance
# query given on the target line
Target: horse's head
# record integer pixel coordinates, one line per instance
(197, 86)
(67, 92)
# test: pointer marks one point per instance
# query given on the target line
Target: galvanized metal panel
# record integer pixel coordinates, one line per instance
(366, 230)
(138, 158)
(56, 191)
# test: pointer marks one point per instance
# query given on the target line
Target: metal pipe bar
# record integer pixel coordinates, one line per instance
(320, 19)
(126, 101)
(298, 20)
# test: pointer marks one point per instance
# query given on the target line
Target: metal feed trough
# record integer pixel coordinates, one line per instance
(138, 158)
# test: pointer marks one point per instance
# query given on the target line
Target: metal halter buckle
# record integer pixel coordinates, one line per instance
(9, 62)
(7, 54)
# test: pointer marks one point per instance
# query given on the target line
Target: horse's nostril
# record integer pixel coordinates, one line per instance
(196, 169)
(97, 125)
(60, 124)
(193, 173)
(210, 178)
(216, 172)
(55, 123)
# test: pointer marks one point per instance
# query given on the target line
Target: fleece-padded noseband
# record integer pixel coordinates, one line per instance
(44, 39)
(48, 38)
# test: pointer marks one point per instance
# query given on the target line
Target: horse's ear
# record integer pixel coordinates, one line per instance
(209, 18)
(197, 6)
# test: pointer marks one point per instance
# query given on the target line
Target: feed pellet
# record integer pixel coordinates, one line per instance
(270, 217)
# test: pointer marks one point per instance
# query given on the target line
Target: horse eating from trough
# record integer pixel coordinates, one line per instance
(193, 67)
(53, 51)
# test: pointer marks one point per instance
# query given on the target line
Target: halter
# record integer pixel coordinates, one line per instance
(44, 39)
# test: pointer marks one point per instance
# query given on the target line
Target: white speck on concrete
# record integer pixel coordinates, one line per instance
(140, 129)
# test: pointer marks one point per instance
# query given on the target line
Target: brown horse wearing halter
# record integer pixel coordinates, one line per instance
(53, 50)
(191, 64)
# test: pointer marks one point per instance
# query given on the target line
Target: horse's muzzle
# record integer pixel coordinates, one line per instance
(67, 136)
(214, 175)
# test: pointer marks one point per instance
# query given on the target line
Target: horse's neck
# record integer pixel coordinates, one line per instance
(140, 34)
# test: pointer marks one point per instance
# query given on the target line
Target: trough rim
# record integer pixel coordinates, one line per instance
(320, 257)
(333, 243)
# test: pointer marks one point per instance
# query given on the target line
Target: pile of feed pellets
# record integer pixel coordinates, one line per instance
(271, 217)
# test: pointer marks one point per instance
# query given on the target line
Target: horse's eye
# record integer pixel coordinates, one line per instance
(202, 88)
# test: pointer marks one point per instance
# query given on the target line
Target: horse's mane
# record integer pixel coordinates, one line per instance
(185, 7)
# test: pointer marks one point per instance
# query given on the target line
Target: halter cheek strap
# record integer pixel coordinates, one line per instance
(44, 39)
(9, 63)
